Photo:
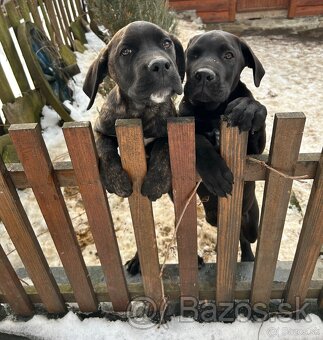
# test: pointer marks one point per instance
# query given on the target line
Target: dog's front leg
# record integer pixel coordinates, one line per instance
(158, 178)
(214, 172)
(114, 178)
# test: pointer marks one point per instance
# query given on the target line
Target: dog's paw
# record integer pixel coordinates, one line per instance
(133, 265)
(200, 262)
(246, 113)
(155, 185)
(117, 182)
(217, 178)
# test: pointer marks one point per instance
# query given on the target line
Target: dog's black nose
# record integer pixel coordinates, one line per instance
(204, 74)
(159, 65)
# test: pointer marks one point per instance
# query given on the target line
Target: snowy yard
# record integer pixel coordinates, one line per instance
(293, 83)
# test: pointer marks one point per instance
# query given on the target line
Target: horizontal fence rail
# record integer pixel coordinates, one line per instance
(225, 281)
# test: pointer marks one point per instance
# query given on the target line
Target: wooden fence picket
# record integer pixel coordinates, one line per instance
(80, 143)
(284, 150)
(34, 156)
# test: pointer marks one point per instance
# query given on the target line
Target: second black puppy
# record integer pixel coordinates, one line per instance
(214, 62)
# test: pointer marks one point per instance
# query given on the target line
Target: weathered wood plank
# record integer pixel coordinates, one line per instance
(284, 149)
(133, 157)
(232, 9)
(309, 244)
(207, 276)
(65, 22)
(79, 8)
(292, 8)
(53, 21)
(181, 137)
(306, 165)
(22, 235)
(205, 6)
(12, 289)
(48, 24)
(68, 10)
(60, 21)
(6, 94)
(34, 157)
(13, 14)
(33, 8)
(80, 142)
(12, 55)
(24, 10)
(229, 212)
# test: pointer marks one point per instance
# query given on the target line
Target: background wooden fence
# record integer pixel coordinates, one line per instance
(224, 281)
(226, 10)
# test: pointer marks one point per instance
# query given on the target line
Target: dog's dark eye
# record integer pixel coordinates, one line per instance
(126, 51)
(228, 55)
(167, 44)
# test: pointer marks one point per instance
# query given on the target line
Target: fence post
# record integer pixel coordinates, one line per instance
(133, 157)
(35, 159)
(309, 243)
(12, 288)
(283, 155)
(23, 237)
(233, 146)
(181, 136)
(80, 142)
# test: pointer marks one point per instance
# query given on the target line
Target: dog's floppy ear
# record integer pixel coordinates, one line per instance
(95, 75)
(180, 57)
(253, 62)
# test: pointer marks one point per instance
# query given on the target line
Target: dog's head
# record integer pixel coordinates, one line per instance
(146, 62)
(214, 62)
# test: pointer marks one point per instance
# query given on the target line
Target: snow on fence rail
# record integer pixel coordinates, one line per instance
(224, 281)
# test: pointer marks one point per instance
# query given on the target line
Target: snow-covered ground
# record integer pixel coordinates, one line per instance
(179, 328)
(292, 83)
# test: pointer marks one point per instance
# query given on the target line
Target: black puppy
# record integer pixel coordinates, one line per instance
(214, 62)
(148, 66)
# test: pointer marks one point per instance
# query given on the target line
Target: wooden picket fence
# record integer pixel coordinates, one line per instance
(224, 281)
(215, 282)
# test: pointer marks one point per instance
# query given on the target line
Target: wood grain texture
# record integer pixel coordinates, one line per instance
(50, 28)
(306, 165)
(11, 287)
(233, 149)
(22, 235)
(309, 244)
(181, 137)
(34, 157)
(68, 11)
(259, 5)
(205, 5)
(133, 157)
(208, 17)
(172, 282)
(33, 8)
(60, 20)
(12, 55)
(292, 8)
(309, 10)
(284, 149)
(80, 142)
(54, 22)
(24, 9)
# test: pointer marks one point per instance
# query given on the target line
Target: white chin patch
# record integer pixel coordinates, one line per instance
(160, 97)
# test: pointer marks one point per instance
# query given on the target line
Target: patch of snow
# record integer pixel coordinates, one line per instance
(179, 328)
